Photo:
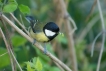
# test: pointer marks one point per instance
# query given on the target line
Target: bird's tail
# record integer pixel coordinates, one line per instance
(32, 21)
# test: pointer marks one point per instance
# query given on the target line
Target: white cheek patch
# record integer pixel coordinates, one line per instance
(49, 33)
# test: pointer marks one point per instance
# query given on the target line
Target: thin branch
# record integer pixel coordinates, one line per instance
(36, 44)
(15, 60)
(9, 50)
(93, 6)
(10, 44)
(103, 38)
(3, 54)
(84, 31)
(101, 52)
(62, 16)
(23, 27)
(67, 16)
(7, 46)
(59, 66)
(69, 31)
(101, 15)
(73, 23)
(93, 44)
(71, 46)
(21, 21)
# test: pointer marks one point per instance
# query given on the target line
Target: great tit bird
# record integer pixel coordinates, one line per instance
(42, 32)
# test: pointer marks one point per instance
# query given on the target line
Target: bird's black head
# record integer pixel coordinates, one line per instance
(51, 30)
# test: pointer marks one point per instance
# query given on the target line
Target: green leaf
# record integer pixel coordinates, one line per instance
(55, 69)
(24, 9)
(11, 7)
(34, 60)
(18, 40)
(12, 1)
(29, 66)
(4, 60)
(38, 65)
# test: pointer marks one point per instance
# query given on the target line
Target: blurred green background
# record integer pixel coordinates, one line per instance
(88, 28)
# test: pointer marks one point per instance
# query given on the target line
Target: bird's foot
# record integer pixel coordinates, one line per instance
(34, 41)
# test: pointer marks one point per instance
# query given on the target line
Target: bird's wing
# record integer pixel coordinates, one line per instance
(38, 27)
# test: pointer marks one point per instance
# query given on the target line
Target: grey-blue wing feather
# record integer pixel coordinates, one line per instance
(38, 27)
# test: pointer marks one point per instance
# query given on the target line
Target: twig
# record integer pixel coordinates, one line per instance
(36, 44)
(23, 27)
(22, 21)
(16, 60)
(93, 44)
(9, 42)
(3, 54)
(93, 6)
(101, 52)
(84, 31)
(69, 33)
(73, 23)
(9, 49)
(59, 66)
(103, 38)
(64, 17)
(71, 46)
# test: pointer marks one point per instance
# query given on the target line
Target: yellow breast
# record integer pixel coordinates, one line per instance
(41, 37)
